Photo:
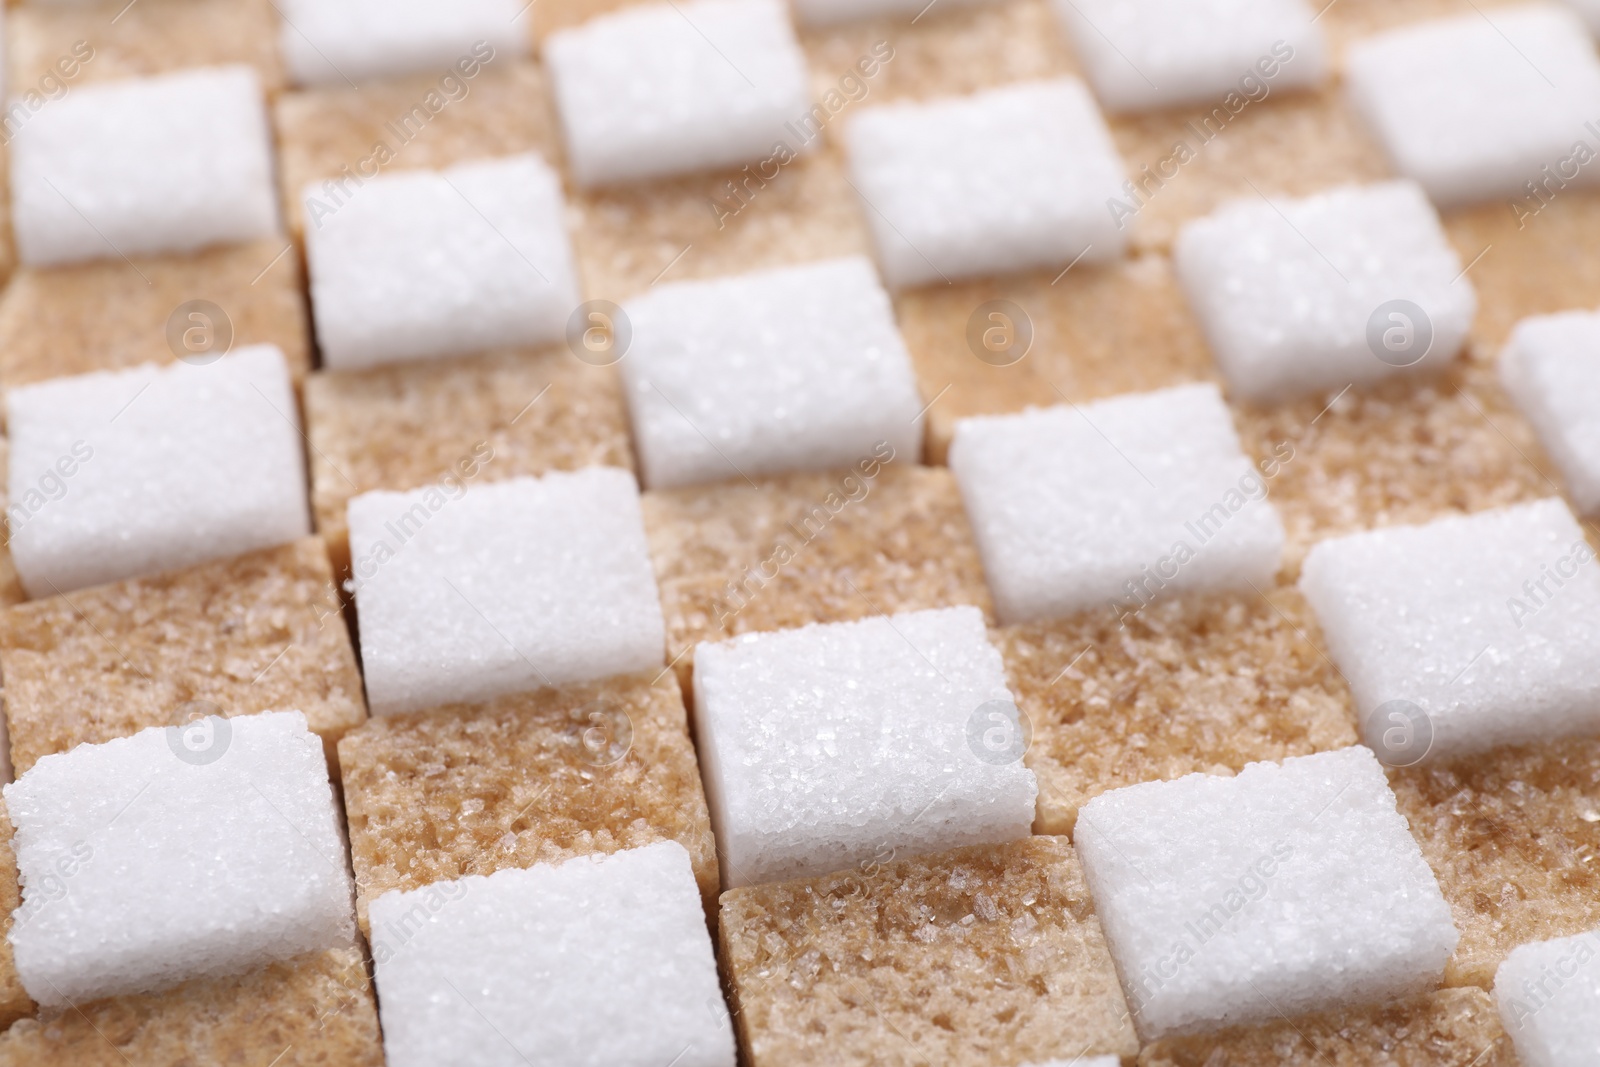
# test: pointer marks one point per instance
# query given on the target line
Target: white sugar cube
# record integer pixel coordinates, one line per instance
(165, 164)
(1289, 888)
(118, 474)
(1548, 993)
(1145, 54)
(1551, 368)
(1478, 631)
(423, 264)
(1484, 105)
(838, 744)
(1114, 503)
(1589, 10)
(1346, 287)
(601, 961)
(350, 42)
(196, 850)
(672, 88)
(999, 181)
(800, 368)
(465, 593)
(833, 12)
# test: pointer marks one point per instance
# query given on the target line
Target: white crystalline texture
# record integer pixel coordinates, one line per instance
(1116, 502)
(847, 743)
(1290, 888)
(188, 851)
(667, 89)
(1299, 295)
(342, 42)
(833, 12)
(1489, 624)
(171, 163)
(1475, 107)
(800, 368)
(1551, 368)
(1548, 993)
(425, 264)
(468, 593)
(601, 961)
(118, 474)
(1000, 181)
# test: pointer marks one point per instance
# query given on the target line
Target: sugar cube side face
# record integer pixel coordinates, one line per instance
(837, 744)
(800, 368)
(1344, 288)
(467, 594)
(1465, 633)
(200, 849)
(1551, 369)
(120, 474)
(835, 12)
(421, 265)
(349, 42)
(1548, 993)
(171, 163)
(600, 960)
(1292, 887)
(1115, 503)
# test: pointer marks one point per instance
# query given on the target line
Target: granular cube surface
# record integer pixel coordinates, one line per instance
(1551, 368)
(1548, 993)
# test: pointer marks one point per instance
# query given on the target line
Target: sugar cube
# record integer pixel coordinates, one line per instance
(1290, 888)
(602, 960)
(171, 163)
(118, 474)
(666, 89)
(1483, 105)
(1589, 10)
(799, 368)
(202, 849)
(419, 265)
(465, 593)
(832, 12)
(1115, 502)
(349, 42)
(1548, 993)
(1551, 368)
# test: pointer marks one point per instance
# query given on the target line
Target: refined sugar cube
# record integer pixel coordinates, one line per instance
(418, 265)
(165, 164)
(1116, 502)
(671, 88)
(1292, 887)
(465, 593)
(1000, 181)
(1548, 993)
(1589, 10)
(600, 961)
(1551, 368)
(800, 368)
(1483, 105)
(832, 12)
(119, 474)
(195, 850)
(834, 744)
(1346, 287)
(348, 42)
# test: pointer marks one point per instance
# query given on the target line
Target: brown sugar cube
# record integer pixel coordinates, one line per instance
(14, 1000)
(258, 632)
(967, 958)
(11, 591)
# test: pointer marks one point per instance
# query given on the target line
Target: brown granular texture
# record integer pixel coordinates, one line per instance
(14, 1000)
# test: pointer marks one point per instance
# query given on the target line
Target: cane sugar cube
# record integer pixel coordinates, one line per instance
(1551, 368)
(120, 474)
(423, 265)
(1548, 993)
(601, 960)
(992, 183)
(799, 368)
(200, 850)
(1118, 501)
(1346, 287)
(349, 42)
(165, 164)
(466, 593)
(1478, 631)
(672, 88)
(14, 1000)
(1476, 106)
(1297, 882)
(833, 12)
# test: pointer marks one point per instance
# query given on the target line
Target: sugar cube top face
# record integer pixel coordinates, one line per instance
(833, 12)
(194, 850)
(1478, 106)
(1548, 993)
(1346, 287)
(1551, 368)
(1465, 633)
(120, 474)
(599, 961)
(467, 593)
(1000, 181)
(1297, 882)
(350, 42)
(800, 368)
(420, 265)
(1116, 502)
(835, 744)
(678, 87)
(165, 164)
